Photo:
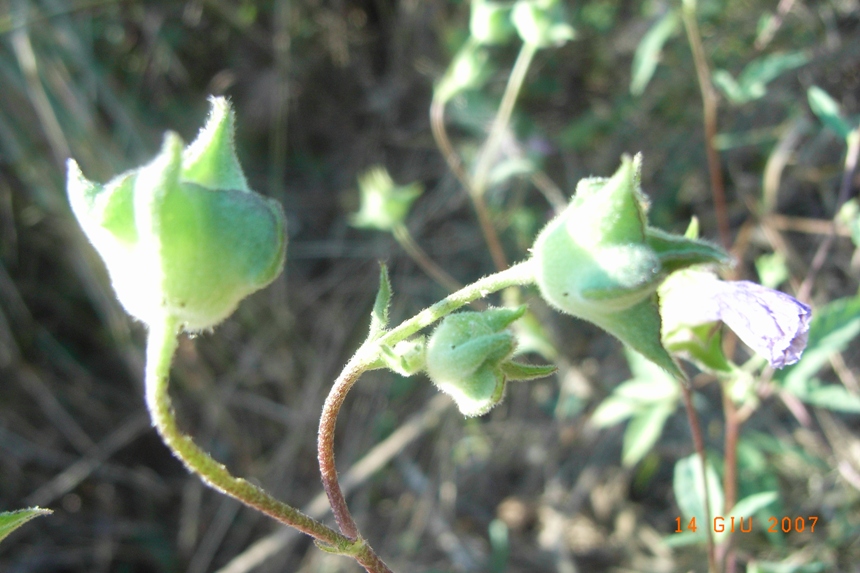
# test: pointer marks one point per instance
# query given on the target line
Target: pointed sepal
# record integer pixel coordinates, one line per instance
(379, 314)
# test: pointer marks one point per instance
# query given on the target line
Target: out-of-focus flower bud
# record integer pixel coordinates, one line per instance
(490, 22)
(541, 23)
(384, 205)
(469, 70)
(183, 237)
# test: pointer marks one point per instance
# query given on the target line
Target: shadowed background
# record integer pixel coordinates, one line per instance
(323, 90)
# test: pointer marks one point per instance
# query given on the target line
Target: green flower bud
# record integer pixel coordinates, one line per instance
(384, 205)
(184, 236)
(468, 358)
(600, 261)
(541, 23)
(490, 23)
(407, 357)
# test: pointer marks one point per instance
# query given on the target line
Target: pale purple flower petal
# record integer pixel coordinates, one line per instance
(770, 322)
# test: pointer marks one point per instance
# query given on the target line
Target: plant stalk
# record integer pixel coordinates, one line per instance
(161, 346)
(367, 355)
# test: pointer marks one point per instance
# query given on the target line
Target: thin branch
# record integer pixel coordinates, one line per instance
(699, 443)
(709, 108)
(367, 355)
(805, 291)
(422, 259)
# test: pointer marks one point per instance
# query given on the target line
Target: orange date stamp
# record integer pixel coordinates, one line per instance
(735, 524)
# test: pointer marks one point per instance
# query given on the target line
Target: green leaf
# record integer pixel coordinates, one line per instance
(745, 509)
(833, 327)
(789, 566)
(831, 396)
(519, 371)
(12, 520)
(678, 252)
(772, 269)
(647, 54)
(828, 111)
(643, 431)
(379, 314)
(753, 503)
(685, 538)
(613, 410)
(690, 491)
(753, 80)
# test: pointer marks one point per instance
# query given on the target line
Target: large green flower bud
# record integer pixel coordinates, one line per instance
(184, 236)
(468, 358)
(598, 260)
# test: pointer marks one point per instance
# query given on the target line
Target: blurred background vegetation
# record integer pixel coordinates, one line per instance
(324, 90)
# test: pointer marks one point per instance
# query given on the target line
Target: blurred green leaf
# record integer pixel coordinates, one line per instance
(849, 215)
(745, 509)
(772, 269)
(787, 567)
(831, 396)
(753, 80)
(833, 327)
(649, 399)
(690, 491)
(12, 520)
(828, 111)
(643, 431)
(648, 51)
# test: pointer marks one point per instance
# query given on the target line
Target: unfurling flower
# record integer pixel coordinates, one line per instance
(774, 324)
(600, 261)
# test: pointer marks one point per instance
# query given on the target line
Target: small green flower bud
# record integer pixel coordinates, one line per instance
(407, 357)
(184, 236)
(468, 358)
(490, 22)
(384, 205)
(600, 261)
(541, 23)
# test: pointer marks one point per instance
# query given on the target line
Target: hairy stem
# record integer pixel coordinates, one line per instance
(161, 345)
(369, 353)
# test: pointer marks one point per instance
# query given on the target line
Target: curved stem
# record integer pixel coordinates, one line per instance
(491, 237)
(440, 134)
(404, 237)
(161, 345)
(477, 186)
(366, 356)
(503, 118)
